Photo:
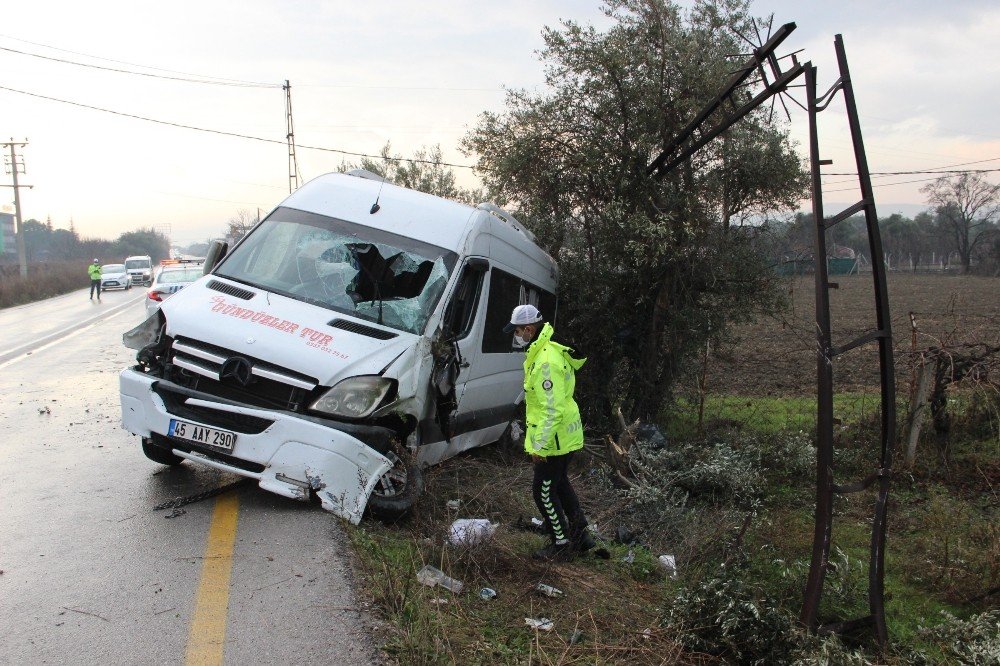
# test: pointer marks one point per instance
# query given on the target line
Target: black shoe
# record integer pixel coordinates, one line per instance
(555, 552)
(585, 542)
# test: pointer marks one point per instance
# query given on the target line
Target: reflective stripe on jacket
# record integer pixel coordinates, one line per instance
(95, 271)
(552, 415)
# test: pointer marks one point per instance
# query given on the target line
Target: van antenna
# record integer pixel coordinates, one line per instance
(375, 206)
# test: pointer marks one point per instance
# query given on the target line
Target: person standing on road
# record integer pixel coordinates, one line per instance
(554, 430)
(94, 270)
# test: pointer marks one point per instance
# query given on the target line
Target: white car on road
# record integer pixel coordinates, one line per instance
(114, 276)
(168, 281)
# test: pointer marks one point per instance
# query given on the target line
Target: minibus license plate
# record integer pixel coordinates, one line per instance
(221, 439)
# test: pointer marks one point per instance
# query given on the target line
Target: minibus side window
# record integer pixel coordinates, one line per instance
(461, 310)
(507, 292)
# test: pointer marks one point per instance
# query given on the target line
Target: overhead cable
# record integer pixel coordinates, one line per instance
(237, 84)
(130, 64)
(235, 134)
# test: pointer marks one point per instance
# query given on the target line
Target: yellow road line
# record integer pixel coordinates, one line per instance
(207, 637)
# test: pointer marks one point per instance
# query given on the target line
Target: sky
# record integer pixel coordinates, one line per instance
(926, 77)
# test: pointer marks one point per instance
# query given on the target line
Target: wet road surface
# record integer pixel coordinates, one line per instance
(90, 573)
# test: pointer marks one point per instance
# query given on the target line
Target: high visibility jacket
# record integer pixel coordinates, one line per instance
(95, 271)
(552, 415)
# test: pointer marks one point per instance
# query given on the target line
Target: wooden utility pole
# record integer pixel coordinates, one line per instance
(14, 166)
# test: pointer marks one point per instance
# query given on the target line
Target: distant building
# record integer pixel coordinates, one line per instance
(8, 240)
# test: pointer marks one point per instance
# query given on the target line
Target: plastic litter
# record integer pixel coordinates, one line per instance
(439, 601)
(470, 531)
(630, 558)
(650, 435)
(537, 522)
(541, 624)
(431, 576)
(647, 634)
(516, 432)
(454, 504)
(669, 564)
(487, 593)
(548, 590)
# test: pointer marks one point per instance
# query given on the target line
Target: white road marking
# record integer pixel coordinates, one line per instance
(20, 353)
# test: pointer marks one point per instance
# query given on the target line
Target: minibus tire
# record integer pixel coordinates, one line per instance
(399, 504)
(159, 454)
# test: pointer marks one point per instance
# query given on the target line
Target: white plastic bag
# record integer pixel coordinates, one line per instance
(470, 531)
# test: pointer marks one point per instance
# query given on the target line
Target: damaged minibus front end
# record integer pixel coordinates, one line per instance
(321, 355)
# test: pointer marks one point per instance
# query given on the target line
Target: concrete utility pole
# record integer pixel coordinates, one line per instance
(13, 167)
(293, 165)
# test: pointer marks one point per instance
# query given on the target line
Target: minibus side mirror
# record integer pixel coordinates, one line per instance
(478, 264)
(216, 251)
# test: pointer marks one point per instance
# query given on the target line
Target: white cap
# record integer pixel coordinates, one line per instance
(95, 260)
(522, 316)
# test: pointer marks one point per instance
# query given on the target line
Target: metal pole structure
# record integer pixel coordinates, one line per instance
(293, 165)
(824, 379)
(727, 108)
(22, 255)
(876, 570)
(826, 489)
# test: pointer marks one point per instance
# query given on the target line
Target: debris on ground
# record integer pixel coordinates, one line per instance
(540, 624)
(471, 531)
(454, 504)
(630, 558)
(431, 576)
(175, 513)
(44, 410)
(575, 637)
(533, 524)
(486, 594)
(548, 590)
(669, 564)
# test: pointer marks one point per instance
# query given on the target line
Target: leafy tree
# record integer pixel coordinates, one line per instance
(424, 172)
(966, 205)
(649, 270)
(143, 241)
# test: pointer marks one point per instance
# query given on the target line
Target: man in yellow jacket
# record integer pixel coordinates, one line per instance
(554, 430)
(94, 271)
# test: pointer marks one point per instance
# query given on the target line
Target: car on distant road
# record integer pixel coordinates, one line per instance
(114, 276)
(170, 279)
(140, 269)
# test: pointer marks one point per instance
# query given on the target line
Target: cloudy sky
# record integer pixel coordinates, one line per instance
(416, 74)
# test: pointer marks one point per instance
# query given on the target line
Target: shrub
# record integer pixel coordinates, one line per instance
(975, 641)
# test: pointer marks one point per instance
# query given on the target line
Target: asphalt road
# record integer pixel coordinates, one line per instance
(91, 574)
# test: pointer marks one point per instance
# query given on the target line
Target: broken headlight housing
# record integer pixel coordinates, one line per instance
(354, 398)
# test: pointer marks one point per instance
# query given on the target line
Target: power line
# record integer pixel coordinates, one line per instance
(902, 182)
(233, 134)
(154, 76)
(131, 64)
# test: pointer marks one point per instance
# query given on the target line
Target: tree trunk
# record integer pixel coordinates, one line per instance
(915, 418)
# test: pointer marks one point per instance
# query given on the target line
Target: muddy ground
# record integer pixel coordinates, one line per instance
(775, 355)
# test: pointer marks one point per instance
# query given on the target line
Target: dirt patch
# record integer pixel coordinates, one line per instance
(775, 356)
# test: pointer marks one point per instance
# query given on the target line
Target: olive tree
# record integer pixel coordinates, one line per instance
(425, 171)
(649, 270)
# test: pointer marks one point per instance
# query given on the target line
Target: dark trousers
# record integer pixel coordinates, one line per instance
(556, 499)
(95, 284)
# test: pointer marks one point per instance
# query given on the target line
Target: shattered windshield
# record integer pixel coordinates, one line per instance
(357, 270)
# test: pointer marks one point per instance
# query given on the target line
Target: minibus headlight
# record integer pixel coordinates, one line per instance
(355, 397)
